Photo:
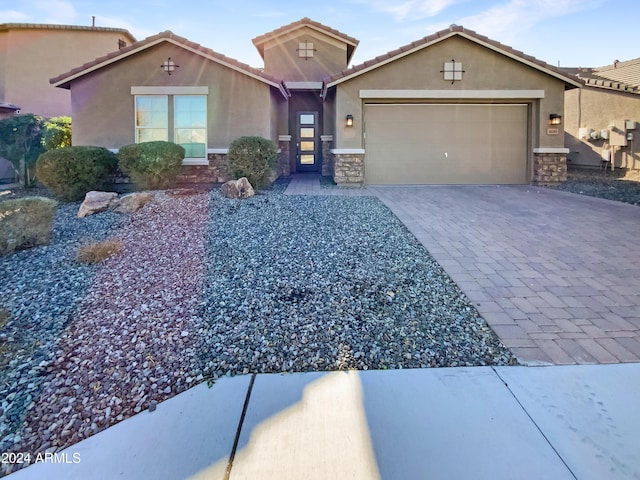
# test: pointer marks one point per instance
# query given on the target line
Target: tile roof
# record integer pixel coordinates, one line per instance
(620, 76)
(4, 27)
(64, 80)
(351, 42)
(441, 35)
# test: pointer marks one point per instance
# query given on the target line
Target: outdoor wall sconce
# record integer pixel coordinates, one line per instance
(349, 122)
(169, 66)
(555, 119)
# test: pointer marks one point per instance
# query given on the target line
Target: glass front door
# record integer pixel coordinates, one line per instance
(307, 141)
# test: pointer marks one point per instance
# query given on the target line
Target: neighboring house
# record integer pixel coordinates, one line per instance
(601, 119)
(30, 54)
(454, 107)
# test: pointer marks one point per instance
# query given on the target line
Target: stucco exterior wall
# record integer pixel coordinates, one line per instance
(103, 106)
(483, 68)
(596, 109)
(281, 57)
(33, 56)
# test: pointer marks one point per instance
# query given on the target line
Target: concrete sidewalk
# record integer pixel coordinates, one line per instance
(555, 422)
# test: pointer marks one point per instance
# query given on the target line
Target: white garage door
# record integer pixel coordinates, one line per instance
(446, 144)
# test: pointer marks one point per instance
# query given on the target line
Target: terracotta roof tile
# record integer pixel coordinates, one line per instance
(621, 76)
(152, 40)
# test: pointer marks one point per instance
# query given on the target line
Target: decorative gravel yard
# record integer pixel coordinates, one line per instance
(206, 287)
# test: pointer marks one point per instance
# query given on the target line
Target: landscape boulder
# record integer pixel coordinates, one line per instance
(132, 202)
(240, 188)
(95, 202)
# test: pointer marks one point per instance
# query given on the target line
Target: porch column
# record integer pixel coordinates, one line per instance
(284, 167)
(549, 166)
(348, 167)
(327, 156)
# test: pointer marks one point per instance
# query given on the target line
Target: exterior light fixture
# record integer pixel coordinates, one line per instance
(349, 122)
(169, 66)
(555, 119)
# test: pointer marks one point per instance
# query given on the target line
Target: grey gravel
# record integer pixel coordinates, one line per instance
(619, 185)
(207, 287)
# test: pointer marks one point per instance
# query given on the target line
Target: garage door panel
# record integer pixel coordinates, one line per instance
(446, 144)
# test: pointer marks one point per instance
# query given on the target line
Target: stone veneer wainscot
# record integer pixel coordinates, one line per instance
(549, 166)
(348, 167)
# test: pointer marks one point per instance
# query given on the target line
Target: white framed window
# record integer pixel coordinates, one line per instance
(190, 124)
(178, 118)
(152, 118)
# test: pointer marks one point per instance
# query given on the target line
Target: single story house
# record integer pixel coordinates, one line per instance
(601, 119)
(451, 108)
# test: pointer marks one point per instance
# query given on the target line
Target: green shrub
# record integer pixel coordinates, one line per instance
(25, 222)
(152, 165)
(56, 133)
(254, 158)
(71, 172)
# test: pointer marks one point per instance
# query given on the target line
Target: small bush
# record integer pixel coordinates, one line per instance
(152, 165)
(254, 158)
(71, 172)
(99, 251)
(25, 222)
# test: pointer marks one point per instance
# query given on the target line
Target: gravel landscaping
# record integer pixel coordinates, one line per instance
(207, 287)
(617, 185)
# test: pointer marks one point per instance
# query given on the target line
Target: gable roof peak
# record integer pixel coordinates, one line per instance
(351, 42)
(436, 37)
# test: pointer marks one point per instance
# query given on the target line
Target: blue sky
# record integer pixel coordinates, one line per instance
(570, 32)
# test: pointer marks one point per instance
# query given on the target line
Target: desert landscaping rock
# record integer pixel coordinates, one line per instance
(96, 202)
(240, 188)
(132, 202)
(207, 286)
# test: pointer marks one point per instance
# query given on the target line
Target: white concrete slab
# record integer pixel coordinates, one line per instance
(305, 426)
(589, 413)
(188, 436)
(448, 423)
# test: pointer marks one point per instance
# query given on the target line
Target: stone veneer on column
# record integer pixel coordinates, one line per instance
(284, 165)
(327, 156)
(549, 166)
(348, 168)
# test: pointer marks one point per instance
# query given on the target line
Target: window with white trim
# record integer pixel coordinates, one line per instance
(181, 118)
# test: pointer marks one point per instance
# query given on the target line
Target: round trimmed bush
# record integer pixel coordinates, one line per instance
(71, 172)
(254, 158)
(152, 165)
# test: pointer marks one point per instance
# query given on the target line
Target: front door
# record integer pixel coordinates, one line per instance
(307, 142)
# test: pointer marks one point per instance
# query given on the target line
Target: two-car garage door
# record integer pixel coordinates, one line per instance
(446, 144)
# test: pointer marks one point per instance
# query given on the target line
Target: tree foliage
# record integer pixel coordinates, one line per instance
(57, 133)
(21, 143)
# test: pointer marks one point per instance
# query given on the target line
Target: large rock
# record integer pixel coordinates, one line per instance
(240, 188)
(95, 202)
(131, 203)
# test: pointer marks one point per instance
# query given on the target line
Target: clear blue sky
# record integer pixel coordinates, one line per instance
(572, 32)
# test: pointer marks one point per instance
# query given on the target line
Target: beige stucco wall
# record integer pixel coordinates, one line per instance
(3, 66)
(33, 56)
(103, 107)
(597, 109)
(483, 68)
(281, 56)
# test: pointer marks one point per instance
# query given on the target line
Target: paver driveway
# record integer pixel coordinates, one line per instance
(556, 275)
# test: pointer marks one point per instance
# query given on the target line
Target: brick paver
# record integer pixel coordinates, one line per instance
(564, 268)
